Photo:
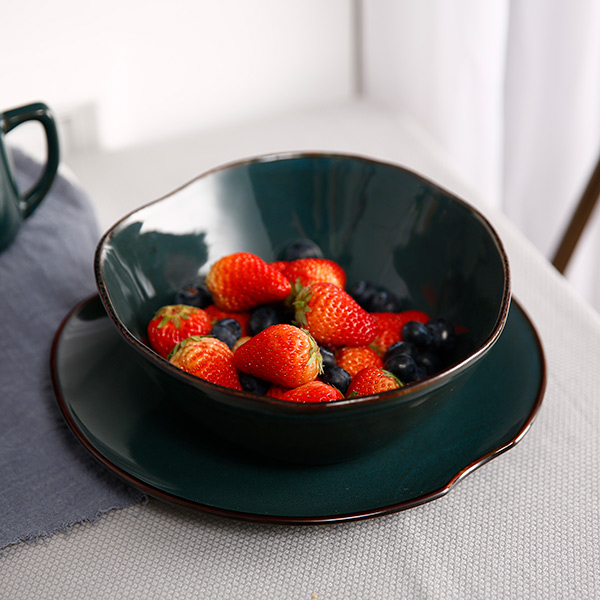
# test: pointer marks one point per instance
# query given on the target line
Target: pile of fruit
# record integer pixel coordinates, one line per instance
(291, 330)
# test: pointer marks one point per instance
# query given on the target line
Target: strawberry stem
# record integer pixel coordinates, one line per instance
(314, 354)
(173, 314)
(301, 304)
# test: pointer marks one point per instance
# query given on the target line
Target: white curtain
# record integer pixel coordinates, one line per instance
(511, 90)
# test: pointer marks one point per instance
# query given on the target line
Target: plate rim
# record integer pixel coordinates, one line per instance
(172, 498)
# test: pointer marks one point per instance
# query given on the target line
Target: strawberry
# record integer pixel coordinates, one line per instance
(389, 327)
(356, 358)
(280, 265)
(414, 315)
(207, 358)
(276, 391)
(312, 270)
(332, 316)
(216, 314)
(313, 391)
(372, 380)
(282, 354)
(242, 281)
(173, 323)
(389, 330)
(241, 341)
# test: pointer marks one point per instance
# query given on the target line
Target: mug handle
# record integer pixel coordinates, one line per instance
(37, 112)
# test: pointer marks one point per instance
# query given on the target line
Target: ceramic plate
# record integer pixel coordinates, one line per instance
(112, 408)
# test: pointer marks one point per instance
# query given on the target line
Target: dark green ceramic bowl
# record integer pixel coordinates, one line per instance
(381, 222)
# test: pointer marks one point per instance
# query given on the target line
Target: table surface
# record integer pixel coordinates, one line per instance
(525, 525)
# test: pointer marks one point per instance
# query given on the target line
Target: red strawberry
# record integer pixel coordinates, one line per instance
(207, 358)
(242, 340)
(276, 391)
(313, 391)
(333, 317)
(216, 314)
(282, 354)
(312, 270)
(280, 265)
(172, 324)
(389, 327)
(356, 358)
(242, 281)
(389, 330)
(414, 315)
(372, 380)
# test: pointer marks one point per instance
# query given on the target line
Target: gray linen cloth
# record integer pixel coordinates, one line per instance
(47, 480)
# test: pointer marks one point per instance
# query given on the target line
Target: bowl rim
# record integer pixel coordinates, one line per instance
(250, 400)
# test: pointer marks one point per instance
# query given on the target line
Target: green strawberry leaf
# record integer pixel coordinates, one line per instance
(314, 354)
(301, 305)
(166, 319)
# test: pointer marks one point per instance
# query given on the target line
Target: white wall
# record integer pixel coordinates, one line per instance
(123, 72)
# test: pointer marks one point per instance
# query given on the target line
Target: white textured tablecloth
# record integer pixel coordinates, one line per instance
(525, 525)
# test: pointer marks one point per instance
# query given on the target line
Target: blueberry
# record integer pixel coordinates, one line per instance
(400, 348)
(232, 325)
(253, 384)
(383, 301)
(194, 294)
(402, 366)
(328, 358)
(428, 361)
(362, 292)
(337, 377)
(227, 330)
(444, 334)
(262, 317)
(302, 249)
(421, 374)
(417, 333)
(225, 336)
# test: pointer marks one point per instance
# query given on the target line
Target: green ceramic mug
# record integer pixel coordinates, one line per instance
(14, 205)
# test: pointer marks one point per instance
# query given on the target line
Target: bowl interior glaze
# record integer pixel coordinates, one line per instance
(380, 222)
